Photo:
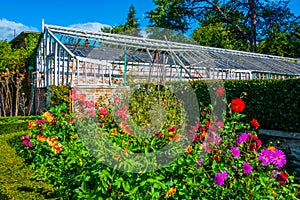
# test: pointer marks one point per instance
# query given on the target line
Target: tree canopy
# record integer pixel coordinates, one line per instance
(14, 57)
(131, 23)
(170, 14)
(250, 25)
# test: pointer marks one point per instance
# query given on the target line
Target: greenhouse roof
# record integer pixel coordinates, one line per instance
(105, 46)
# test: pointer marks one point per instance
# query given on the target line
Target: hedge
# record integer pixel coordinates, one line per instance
(10, 125)
(274, 103)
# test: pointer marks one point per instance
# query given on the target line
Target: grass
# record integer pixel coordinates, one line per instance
(15, 176)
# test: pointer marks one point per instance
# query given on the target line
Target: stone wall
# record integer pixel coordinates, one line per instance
(93, 93)
(287, 142)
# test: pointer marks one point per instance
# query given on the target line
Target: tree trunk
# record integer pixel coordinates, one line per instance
(253, 15)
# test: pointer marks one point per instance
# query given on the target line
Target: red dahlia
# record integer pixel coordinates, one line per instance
(237, 105)
(282, 177)
(254, 123)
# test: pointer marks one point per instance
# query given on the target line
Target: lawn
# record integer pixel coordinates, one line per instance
(15, 176)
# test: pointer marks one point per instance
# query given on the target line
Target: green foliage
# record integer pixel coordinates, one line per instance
(131, 21)
(61, 155)
(117, 29)
(58, 95)
(220, 36)
(170, 15)
(274, 102)
(282, 43)
(14, 57)
(167, 34)
(235, 24)
(14, 124)
(5, 55)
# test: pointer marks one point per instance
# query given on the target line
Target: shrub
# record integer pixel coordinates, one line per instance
(58, 95)
(14, 124)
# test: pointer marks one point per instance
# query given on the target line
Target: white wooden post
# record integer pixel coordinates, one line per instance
(55, 64)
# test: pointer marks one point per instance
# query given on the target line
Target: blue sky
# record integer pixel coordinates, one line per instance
(27, 15)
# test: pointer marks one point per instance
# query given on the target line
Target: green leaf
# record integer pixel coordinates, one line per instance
(126, 186)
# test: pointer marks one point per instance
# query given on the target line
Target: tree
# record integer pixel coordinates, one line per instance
(283, 43)
(170, 15)
(250, 20)
(114, 29)
(219, 35)
(131, 21)
(131, 24)
(280, 32)
(15, 57)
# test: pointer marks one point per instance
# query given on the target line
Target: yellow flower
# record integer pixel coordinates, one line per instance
(171, 191)
(74, 136)
(117, 158)
(115, 132)
(51, 141)
(271, 148)
(56, 148)
(177, 137)
(31, 123)
(48, 116)
(188, 150)
(140, 173)
(202, 135)
(41, 138)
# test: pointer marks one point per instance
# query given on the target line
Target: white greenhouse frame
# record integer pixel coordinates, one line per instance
(84, 58)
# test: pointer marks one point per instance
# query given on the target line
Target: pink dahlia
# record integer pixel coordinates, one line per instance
(278, 158)
(242, 138)
(220, 178)
(265, 156)
(247, 168)
(235, 152)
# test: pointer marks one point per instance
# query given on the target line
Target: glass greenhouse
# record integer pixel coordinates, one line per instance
(80, 57)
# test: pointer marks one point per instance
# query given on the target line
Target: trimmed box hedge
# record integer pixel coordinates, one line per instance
(14, 124)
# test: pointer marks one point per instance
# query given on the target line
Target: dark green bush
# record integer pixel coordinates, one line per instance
(58, 95)
(273, 102)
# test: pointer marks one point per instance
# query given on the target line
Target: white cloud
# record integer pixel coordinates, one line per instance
(7, 29)
(90, 26)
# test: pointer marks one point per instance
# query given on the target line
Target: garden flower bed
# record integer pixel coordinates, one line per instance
(94, 153)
